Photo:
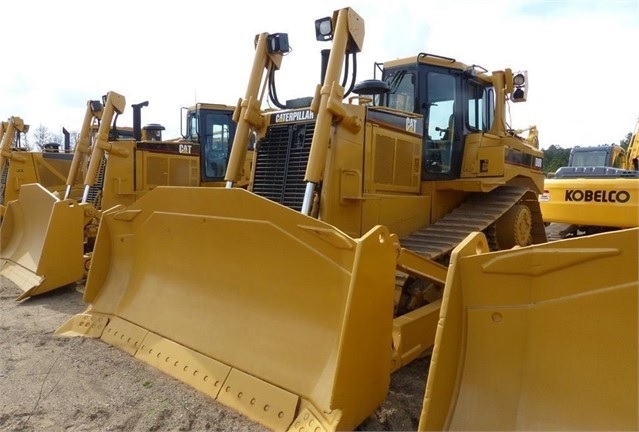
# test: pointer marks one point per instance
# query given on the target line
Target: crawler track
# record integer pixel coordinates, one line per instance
(477, 213)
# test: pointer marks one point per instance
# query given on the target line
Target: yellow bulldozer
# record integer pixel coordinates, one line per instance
(600, 194)
(19, 166)
(56, 167)
(293, 301)
(46, 240)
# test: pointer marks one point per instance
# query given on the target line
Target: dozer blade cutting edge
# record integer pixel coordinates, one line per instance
(538, 338)
(41, 240)
(276, 314)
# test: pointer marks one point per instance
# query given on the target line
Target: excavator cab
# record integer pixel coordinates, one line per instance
(613, 156)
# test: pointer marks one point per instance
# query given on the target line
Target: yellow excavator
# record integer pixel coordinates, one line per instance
(587, 157)
(596, 196)
(46, 240)
(294, 300)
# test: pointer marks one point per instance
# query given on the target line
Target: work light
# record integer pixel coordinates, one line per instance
(324, 29)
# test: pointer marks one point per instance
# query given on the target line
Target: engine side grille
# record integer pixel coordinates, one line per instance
(280, 165)
(95, 191)
(3, 180)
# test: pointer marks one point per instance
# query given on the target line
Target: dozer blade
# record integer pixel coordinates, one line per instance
(538, 338)
(276, 314)
(41, 241)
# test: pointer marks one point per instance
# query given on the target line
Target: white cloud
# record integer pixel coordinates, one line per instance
(581, 56)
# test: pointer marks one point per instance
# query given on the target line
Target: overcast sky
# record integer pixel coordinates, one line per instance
(581, 56)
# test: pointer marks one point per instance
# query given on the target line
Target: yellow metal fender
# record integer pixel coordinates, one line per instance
(41, 241)
(538, 338)
(272, 312)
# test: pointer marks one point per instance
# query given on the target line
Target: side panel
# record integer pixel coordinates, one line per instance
(393, 193)
(164, 164)
(19, 172)
(401, 214)
(48, 169)
(393, 163)
(53, 169)
(483, 156)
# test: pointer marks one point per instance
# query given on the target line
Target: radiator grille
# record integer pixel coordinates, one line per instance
(280, 165)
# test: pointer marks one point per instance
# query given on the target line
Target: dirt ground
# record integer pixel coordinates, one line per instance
(79, 384)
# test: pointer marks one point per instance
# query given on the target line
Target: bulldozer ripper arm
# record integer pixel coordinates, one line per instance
(280, 316)
(538, 338)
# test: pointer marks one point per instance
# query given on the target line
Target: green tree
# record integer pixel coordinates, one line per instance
(624, 143)
(555, 157)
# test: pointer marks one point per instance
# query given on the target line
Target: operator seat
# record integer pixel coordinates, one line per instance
(448, 132)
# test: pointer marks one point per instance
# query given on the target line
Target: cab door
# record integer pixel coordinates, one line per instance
(439, 102)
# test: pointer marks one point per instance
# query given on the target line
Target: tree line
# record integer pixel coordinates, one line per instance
(556, 156)
(38, 138)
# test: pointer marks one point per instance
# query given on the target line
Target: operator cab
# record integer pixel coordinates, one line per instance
(603, 156)
(452, 101)
(213, 129)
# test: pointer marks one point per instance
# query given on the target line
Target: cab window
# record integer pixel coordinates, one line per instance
(478, 108)
(402, 91)
(217, 141)
(440, 122)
